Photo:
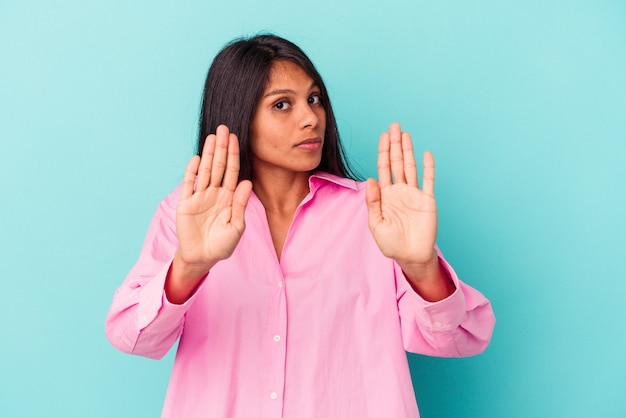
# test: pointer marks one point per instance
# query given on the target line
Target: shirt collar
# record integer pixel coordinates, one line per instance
(320, 177)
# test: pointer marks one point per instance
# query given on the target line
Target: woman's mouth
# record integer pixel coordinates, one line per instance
(310, 144)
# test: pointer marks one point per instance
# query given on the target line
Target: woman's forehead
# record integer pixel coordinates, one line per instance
(286, 75)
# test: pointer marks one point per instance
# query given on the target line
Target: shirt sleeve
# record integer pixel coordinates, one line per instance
(141, 320)
(457, 326)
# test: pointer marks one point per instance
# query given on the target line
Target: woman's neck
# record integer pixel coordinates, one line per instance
(281, 194)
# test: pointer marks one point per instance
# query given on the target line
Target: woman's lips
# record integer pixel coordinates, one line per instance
(310, 144)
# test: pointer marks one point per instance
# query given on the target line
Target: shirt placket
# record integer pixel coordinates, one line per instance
(275, 346)
(276, 339)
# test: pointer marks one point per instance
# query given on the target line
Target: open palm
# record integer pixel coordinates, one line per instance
(210, 212)
(402, 217)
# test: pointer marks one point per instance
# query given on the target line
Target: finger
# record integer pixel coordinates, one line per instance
(410, 167)
(189, 179)
(206, 161)
(396, 158)
(232, 164)
(384, 173)
(428, 179)
(220, 156)
(372, 199)
(240, 201)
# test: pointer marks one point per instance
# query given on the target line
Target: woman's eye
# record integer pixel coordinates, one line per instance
(315, 99)
(281, 105)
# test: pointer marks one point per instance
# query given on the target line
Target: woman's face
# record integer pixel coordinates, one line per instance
(287, 130)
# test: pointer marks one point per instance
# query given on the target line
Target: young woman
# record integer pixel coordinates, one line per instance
(294, 288)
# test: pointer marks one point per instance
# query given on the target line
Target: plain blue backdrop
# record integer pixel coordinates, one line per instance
(522, 103)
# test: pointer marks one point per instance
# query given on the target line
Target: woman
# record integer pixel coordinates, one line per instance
(286, 303)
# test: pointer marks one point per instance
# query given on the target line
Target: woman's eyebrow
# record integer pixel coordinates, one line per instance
(287, 91)
(279, 91)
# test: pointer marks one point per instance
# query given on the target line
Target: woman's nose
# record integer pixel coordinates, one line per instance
(309, 117)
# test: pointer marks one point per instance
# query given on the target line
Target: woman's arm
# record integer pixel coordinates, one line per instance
(439, 314)
(193, 228)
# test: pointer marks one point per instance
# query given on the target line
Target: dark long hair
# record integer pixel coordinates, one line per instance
(234, 86)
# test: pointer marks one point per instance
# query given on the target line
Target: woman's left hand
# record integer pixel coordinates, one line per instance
(403, 217)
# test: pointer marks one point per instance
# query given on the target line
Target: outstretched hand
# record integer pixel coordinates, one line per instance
(210, 213)
(403, 217)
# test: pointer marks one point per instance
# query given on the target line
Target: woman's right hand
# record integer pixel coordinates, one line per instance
(210, 213)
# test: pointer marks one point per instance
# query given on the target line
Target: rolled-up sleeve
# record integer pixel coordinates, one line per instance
(457, 326)
(141, 320)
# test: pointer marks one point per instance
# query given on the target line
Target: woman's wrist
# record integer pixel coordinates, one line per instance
(183, 278)
(430, 280)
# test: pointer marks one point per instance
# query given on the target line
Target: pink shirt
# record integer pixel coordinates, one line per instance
(322, 333)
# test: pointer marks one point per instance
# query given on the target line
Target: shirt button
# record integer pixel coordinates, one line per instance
(438, 324)
(273, 395)
(280, 284)
(277, 338)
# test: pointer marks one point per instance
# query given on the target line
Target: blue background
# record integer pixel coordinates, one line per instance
(522, 103)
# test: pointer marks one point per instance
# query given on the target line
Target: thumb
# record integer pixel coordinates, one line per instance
(240, 201)
(372, 199)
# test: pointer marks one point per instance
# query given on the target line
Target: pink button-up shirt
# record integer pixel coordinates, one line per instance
(320, 333)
